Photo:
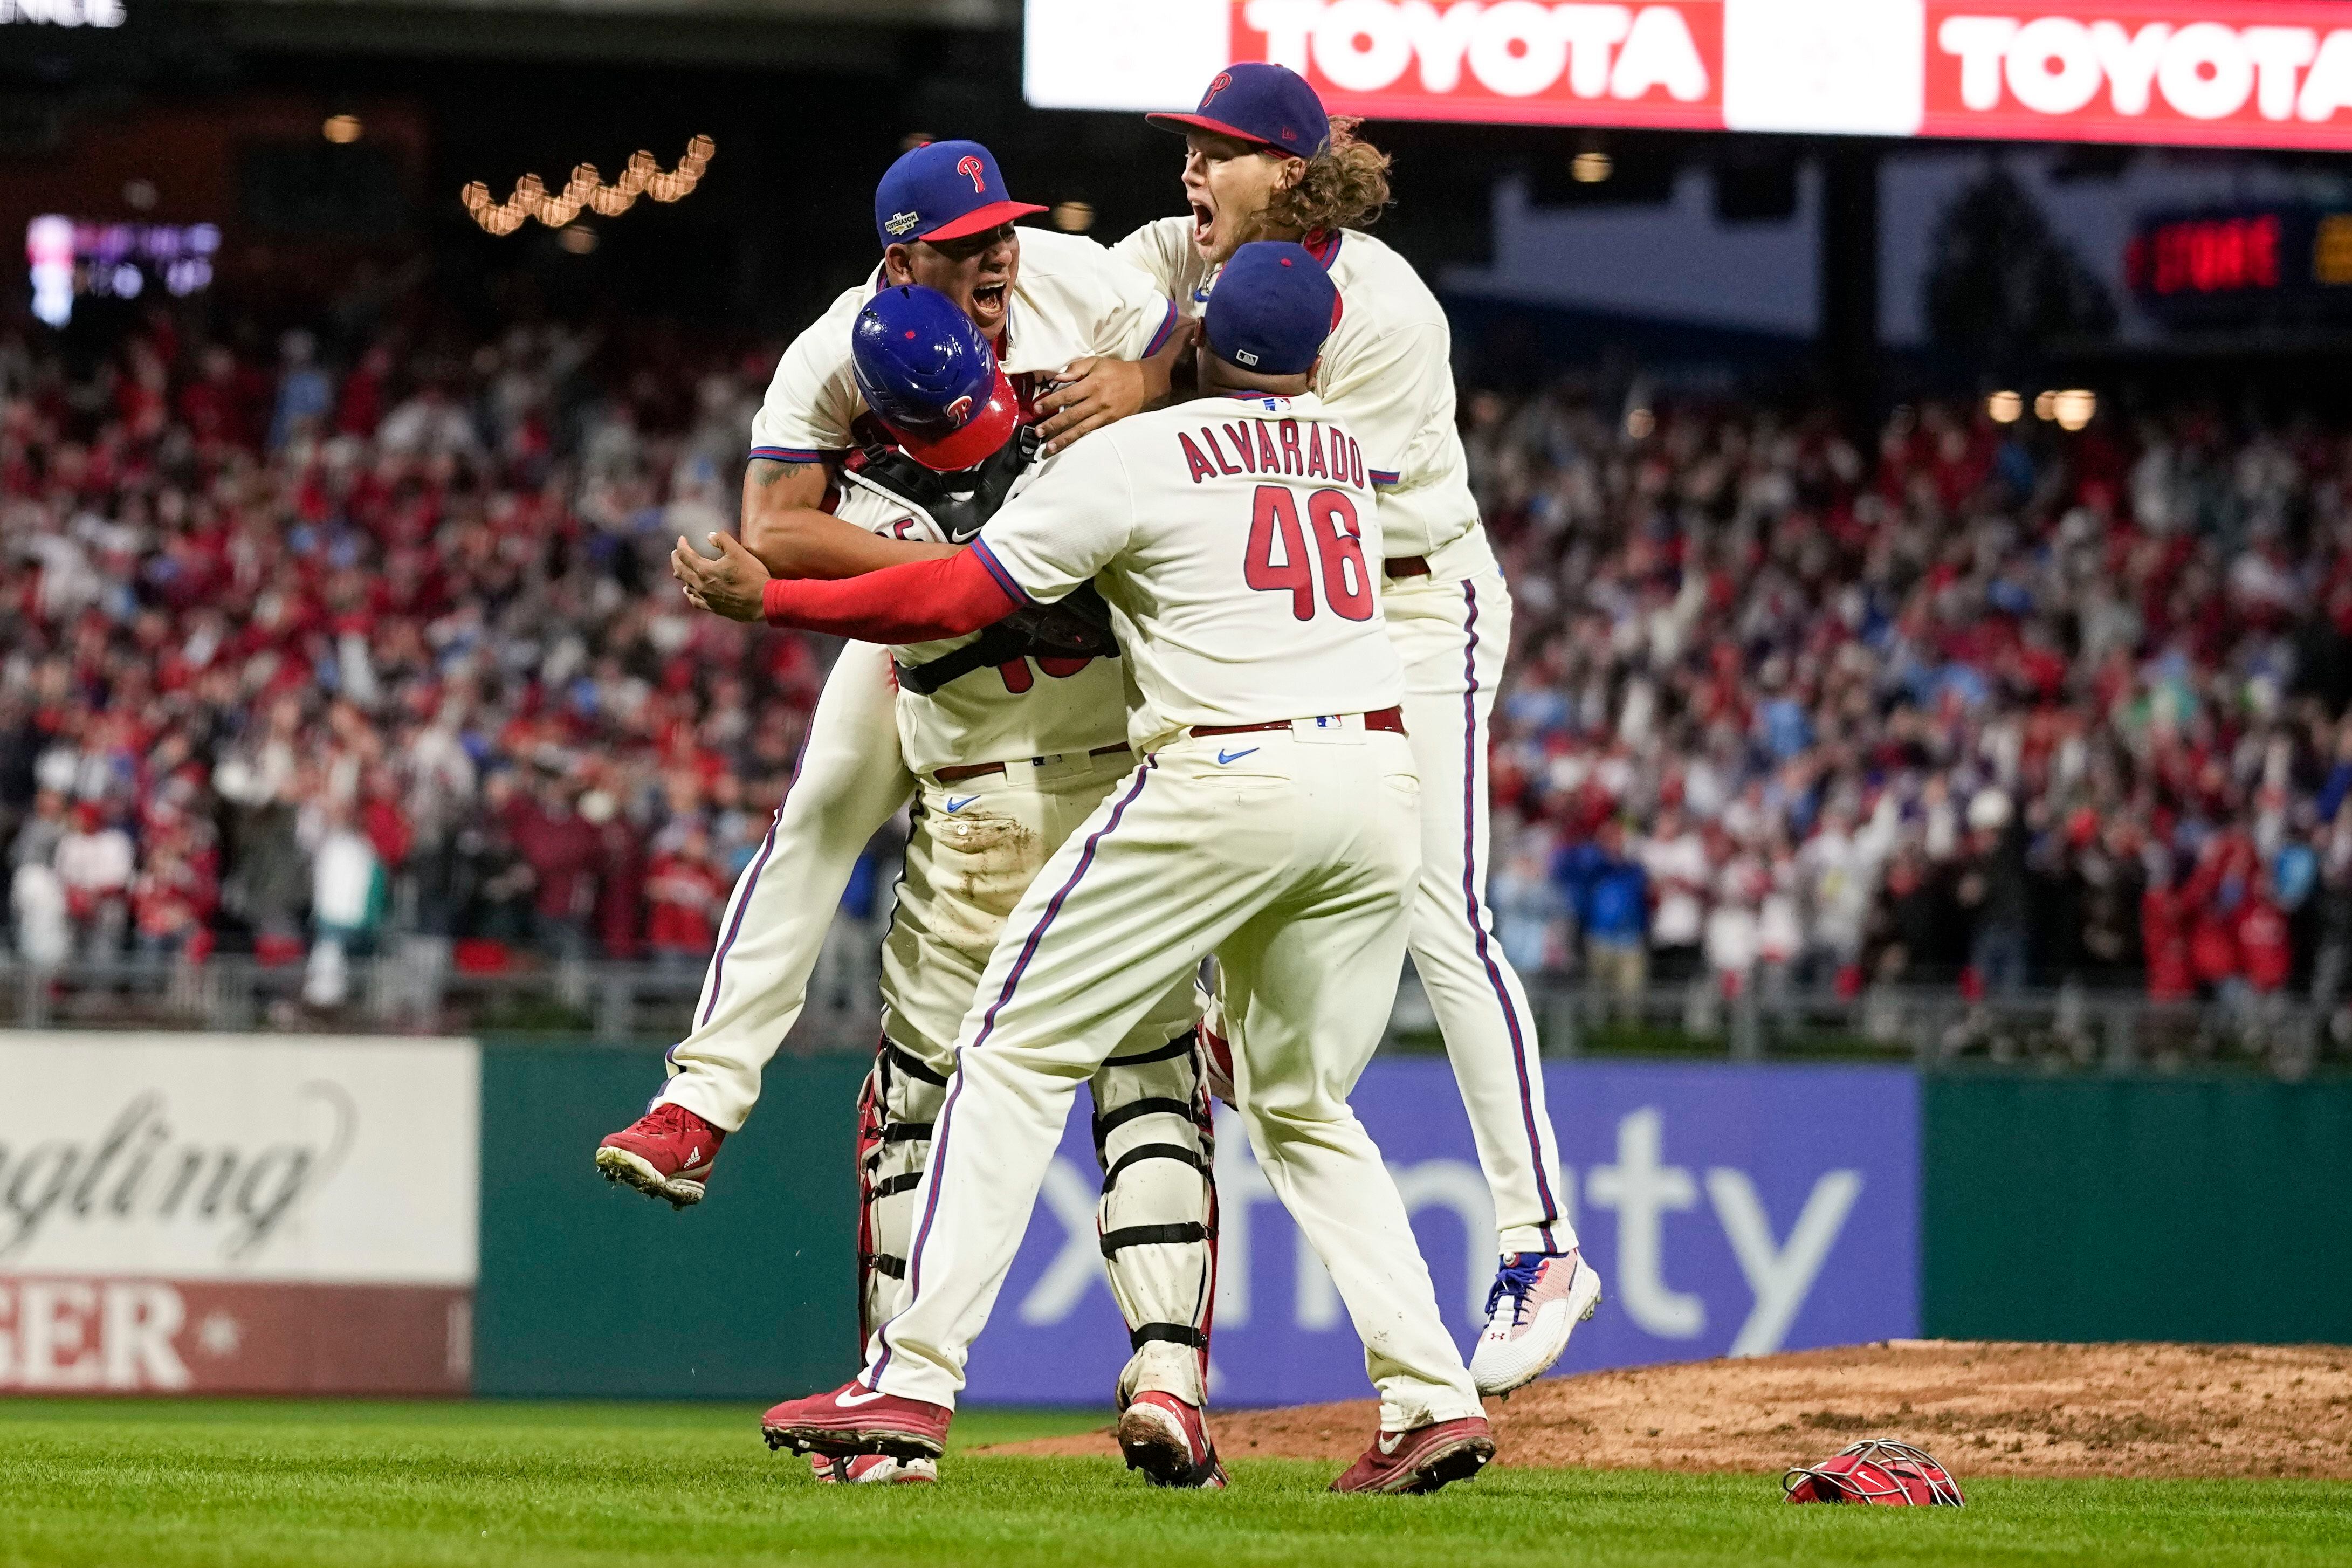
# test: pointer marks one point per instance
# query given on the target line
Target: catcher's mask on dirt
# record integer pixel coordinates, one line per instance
(1892, 1475)
(932, 379)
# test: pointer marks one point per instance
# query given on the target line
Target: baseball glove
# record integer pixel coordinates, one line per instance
(1076, 626)
(1892, 1475)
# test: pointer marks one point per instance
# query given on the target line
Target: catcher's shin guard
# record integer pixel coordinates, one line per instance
(896, 1109)
(1158, 1218)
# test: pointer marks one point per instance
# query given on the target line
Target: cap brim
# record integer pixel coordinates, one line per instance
(976, 440)
(979, 220)
(1181, 123)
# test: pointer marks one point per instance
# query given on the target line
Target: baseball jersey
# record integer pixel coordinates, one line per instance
(1236, 541)
(1387, 370)
(1033, 707)
(1069, 300)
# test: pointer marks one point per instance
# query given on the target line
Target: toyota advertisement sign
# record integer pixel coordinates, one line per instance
(1731, 1211)
(2246, 73)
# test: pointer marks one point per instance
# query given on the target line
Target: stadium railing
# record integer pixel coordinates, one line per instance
(632, 1005)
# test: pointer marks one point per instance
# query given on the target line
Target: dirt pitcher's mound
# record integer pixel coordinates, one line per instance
(1983, 1408)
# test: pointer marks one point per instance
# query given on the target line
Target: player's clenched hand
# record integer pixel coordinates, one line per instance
(1096, 392)
(732, 585)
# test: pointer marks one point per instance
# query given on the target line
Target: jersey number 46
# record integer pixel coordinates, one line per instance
(1338, 540)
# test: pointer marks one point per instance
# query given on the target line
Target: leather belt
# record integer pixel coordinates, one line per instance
(1389, 718)
(1406, 566)
(981, 770)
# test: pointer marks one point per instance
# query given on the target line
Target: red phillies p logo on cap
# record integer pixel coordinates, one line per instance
(1223, 81)
(972, 169)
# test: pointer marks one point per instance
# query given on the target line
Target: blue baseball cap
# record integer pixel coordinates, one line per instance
(943, 190)
(1272, 307)
(932, 379)
(1269, 105)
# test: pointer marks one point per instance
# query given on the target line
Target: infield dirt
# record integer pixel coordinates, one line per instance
(1983, 1408)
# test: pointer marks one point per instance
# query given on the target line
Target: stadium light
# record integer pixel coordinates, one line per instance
(1591, 168)
(2005, 407)
(342, 129)
(2073, 409)
(1073, 218)
(586, 189)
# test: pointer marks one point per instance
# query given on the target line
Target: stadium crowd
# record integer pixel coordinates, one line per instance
(306, 649)
(302, 656)
(1990, 706)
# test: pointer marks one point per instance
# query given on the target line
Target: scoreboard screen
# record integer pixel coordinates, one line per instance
(2243, 266)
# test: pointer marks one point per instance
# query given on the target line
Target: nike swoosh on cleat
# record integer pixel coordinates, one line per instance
(1224, 757)
(955, 806)
(1388, 1441)
(851, 1401)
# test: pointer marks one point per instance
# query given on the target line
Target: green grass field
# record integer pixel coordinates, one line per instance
(343, 1483)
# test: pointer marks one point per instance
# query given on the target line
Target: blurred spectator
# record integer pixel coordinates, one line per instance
(94, 863)
(1609, 889)
(686, 895)
(347, 900)
(1527, 909)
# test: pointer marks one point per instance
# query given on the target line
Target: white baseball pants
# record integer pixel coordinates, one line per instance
(848, 784)
(1453, 634)
(1295, 871)
(978, 847)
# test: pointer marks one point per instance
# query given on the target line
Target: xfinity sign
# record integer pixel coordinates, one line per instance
(2218, 72)
(1731, 1211)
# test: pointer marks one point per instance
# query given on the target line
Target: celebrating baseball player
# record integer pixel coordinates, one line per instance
(1262, 161)
(1273, 823)
(1007, 739)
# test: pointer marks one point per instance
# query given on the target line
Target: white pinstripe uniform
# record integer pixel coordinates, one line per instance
(1284, 844)
(1053, 732)
(1387, 371)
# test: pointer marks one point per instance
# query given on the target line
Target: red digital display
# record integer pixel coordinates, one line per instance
(2206, 255)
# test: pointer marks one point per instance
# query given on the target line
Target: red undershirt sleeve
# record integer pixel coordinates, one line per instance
(917, 601)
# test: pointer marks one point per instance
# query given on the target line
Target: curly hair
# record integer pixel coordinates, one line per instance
(1343, 186)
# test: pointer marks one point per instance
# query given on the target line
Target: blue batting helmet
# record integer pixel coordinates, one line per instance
(932, 378)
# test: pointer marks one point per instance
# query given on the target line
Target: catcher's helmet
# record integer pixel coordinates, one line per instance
(932, 378)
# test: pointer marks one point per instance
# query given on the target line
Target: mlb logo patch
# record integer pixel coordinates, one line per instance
(1243, 356)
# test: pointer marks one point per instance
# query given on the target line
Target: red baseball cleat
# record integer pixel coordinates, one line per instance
(1168, 1440)
(1423, 1459)
(665, 1153)
(855, 1419)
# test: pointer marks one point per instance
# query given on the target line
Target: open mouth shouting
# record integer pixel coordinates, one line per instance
(1205, 226)
(988, 305)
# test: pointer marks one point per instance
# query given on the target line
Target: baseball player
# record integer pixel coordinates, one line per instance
(1263, 160)
(1006, 742)
(1272, 823)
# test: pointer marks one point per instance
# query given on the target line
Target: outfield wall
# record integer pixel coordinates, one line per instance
(215, 1214)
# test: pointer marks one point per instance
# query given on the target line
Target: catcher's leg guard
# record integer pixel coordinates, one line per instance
(896, 1110)
(1158, 1218)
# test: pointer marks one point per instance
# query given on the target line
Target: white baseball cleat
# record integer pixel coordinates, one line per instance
(1537, 1299)
(874, 1470)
